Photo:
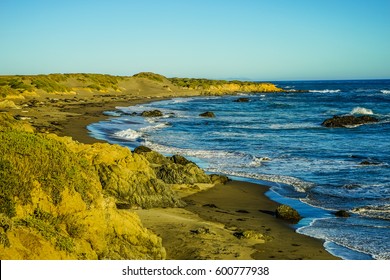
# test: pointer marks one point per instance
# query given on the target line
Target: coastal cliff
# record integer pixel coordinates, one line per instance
(60, 199)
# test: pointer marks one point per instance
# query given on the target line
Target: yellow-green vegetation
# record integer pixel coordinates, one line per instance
(150, 76)
(60, 199)
(223, 86)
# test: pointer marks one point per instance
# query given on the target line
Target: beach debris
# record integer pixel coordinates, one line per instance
(342, 214)
(207, 114)
(201, 230)
(249, 234)
(242, 211)
(287, 213)
(348, 121)
(153, 113)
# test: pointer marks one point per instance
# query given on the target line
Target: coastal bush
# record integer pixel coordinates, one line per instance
(150, 76)
(27, 159)
(47, 84)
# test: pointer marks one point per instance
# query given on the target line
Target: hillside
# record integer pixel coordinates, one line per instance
(60, 199)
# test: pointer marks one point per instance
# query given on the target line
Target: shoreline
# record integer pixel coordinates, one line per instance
(204, 232)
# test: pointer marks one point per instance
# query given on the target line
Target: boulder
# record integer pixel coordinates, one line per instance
(342, 214)
(142, 149)
(207, 115)
(219, 179)
(153, 113)
(242, 99)
(178, 159)
(348, 121)
(287, 213)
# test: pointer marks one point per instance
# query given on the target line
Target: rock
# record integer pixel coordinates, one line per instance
(287, 213)
(201, 230)
(366, 162)
(207, 115)
(348, 121)
(172, 173)
(153, 113)
(242, 99)
(342, 214)
(142, 149)
(249, 234)
(210, 205)
(178, 159)
(219, 179)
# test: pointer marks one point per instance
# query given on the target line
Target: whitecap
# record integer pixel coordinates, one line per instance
(376, 211)
(129, 134)
(154, 127)
(326, 91)
(385, 91)
(361, 111)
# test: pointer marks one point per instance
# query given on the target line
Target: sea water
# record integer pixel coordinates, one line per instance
(277, 138)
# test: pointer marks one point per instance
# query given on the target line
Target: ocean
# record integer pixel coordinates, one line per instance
(277, 139)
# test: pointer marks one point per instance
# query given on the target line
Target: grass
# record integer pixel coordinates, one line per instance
(204, 84)
(150, 76)
(26, 158)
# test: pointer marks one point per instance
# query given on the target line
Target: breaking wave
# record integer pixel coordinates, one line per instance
(326, 91)
(361, 111)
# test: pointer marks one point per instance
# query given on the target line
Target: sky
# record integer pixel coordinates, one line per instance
(243, 39)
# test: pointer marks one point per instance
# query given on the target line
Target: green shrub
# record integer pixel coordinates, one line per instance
(27, 157)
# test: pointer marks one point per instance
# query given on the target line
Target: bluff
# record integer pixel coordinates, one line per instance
(60, 199)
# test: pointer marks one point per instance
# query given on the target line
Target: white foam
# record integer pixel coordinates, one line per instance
(299, 185)
(154, 127)
(385, 91)
(326, 91)
(381, 212)
(129, 134)
(361, 111)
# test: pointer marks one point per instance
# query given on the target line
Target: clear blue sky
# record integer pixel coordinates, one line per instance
(258, 39)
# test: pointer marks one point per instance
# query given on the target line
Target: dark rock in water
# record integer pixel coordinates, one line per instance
(242, 211)
(342, 214)
(153, 113)
(178, 159)
(287, 213)
(242, 99)
(142, 149)
(349, 120)
(207, 115)
(366, 162)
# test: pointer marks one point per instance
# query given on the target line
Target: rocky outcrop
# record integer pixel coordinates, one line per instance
(153, 113)
(207, 115)
(287, 213)
(176, 169)
(342, 214)
(349, 121)
(61, 209)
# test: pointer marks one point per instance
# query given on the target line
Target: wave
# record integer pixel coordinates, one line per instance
(128, 134)
(326, 91)
(385, 91)
(377, 211)
(293, 126)
(154, 127)
(361, 111)
(298, 185)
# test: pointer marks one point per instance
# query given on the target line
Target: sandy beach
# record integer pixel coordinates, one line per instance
(211, 224)
(232, 221)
